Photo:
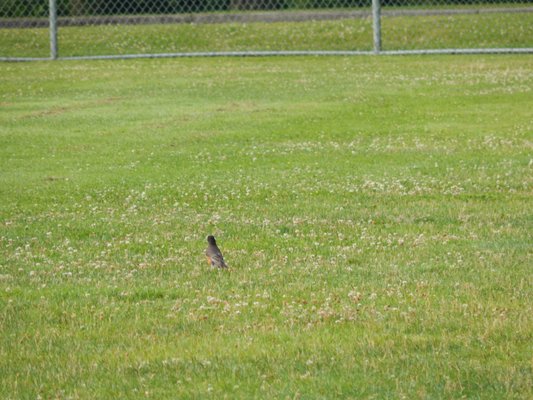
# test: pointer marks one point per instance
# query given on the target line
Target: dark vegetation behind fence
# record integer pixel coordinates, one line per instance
(39, 8)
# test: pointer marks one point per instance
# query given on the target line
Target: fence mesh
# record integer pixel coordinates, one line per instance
(21, 28)
(115, 27)
(448, 24)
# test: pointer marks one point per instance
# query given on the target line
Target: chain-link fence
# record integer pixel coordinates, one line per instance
(94, 28)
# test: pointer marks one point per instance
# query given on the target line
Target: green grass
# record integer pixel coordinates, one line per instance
(375, 212)
(429, 32)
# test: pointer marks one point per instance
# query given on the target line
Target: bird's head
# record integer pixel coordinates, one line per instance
(211, 239)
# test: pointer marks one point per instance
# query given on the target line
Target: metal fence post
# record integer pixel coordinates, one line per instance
(53, 29)
(376, 25)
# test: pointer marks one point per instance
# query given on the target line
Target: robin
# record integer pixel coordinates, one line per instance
(213, 254)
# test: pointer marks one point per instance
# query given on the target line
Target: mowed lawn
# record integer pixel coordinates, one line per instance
(376, 214)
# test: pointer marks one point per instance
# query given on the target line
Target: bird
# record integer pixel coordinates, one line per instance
(213, 254)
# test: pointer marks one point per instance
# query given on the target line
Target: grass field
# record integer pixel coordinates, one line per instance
(406, 32)
(375, 213)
